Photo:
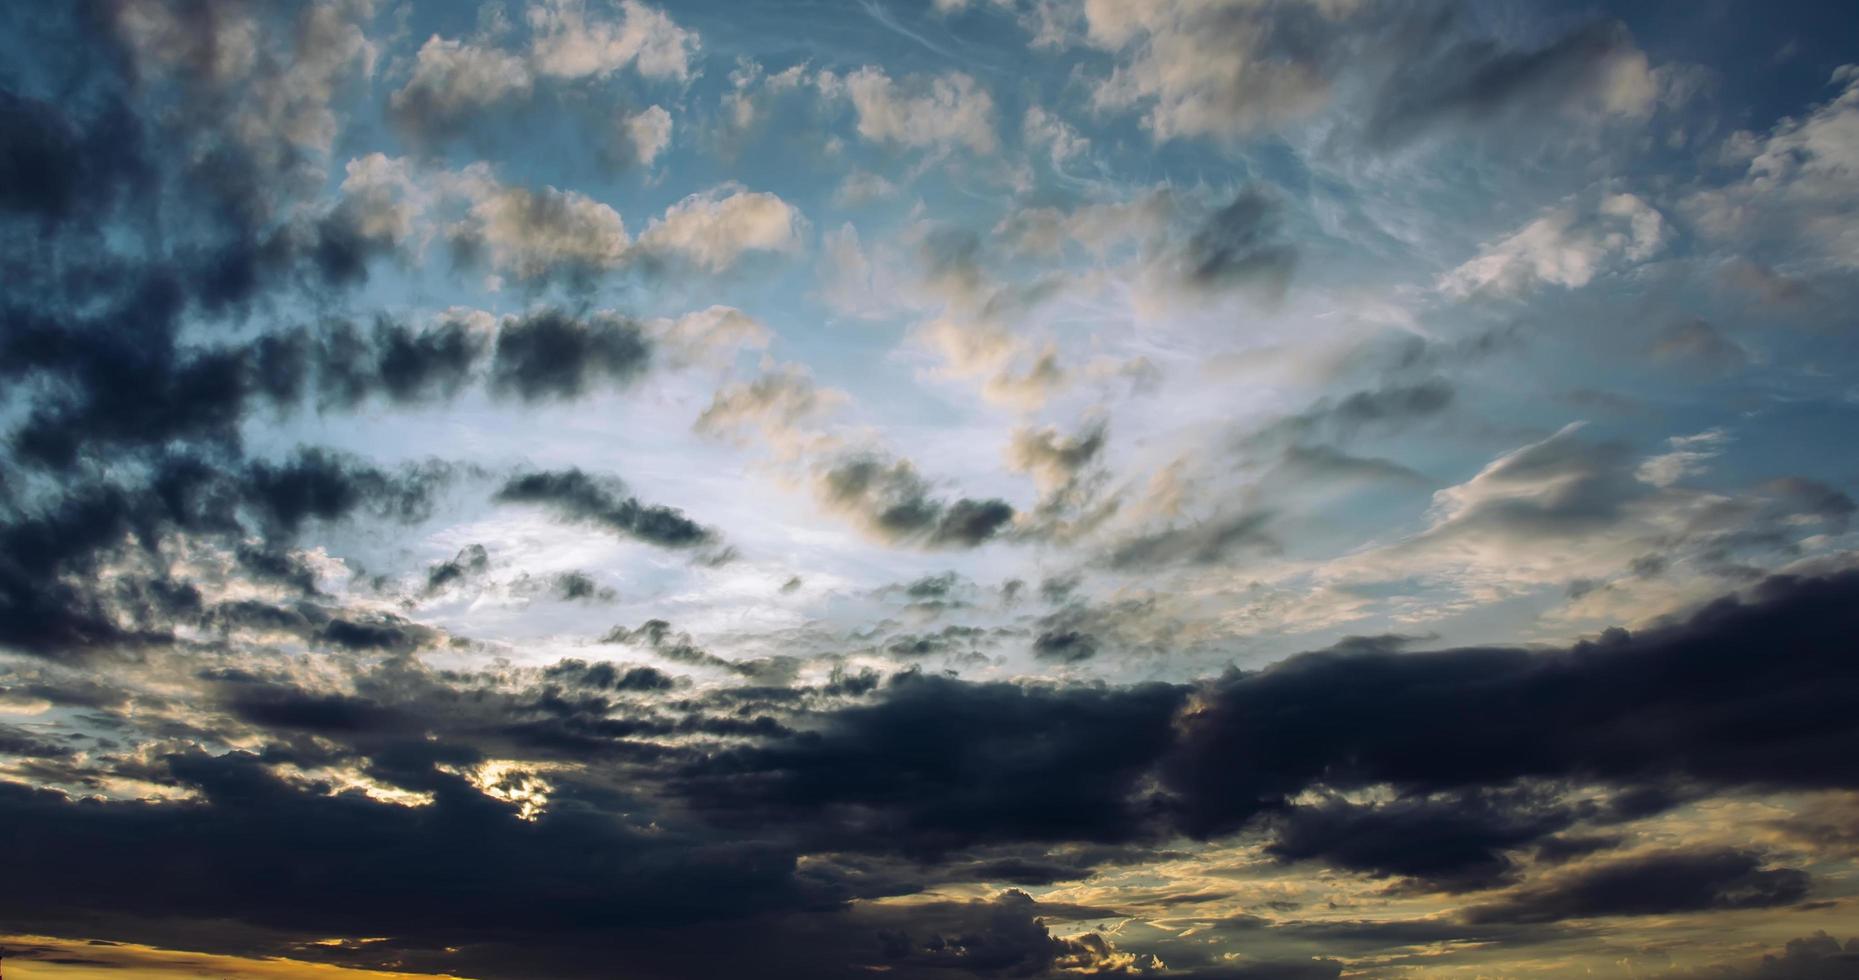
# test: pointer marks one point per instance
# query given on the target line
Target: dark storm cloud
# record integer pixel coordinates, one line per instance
(396, 361)
(323, 485)
(124, 380)
(1456, 719)
(1455, 842)
(575, 496)
(1651, 884)
(932, 768)
(1445, 79)
(54, 167)
(552, 355)
(245, 844)
(892, 500)
(51, 600)
(609, 677)
(940, 764)
(1816, 957)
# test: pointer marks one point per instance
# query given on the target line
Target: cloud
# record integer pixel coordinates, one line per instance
(1215, 541)
(56, 600)
(56, 166)
(551, 355)
(1040, 129)
(940, 112)
(1795, 195)
(471, 561)
(1453, 842)
(649, 132)
(782, 403)
(710, 335)
(1594, 72)
(538, 234)
(566, 42)
(890, 500)
(713, 229)
(1687, 457)
(1387, 725)
(1563, 248)
(453, 80)
(578, 497)
(1238, 245)
(1652, 884)
(1695, 343)
(959, 764)
(1815, 957)
(1216, 69)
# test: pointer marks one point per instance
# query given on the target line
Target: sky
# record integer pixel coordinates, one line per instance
(1182, 489)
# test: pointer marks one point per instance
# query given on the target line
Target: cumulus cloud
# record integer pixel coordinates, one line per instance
(782, 403)
(538, 233)
(1795, 195)
(1564, 247)
(569, 40)
(710, 335)
(715, 228)
(940, 112)
(648, 131)
(1212, 69)
(453, 79)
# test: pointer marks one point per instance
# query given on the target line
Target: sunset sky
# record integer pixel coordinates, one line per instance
(931, 489)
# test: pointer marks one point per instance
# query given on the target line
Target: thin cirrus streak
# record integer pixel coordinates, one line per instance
(1194, 489)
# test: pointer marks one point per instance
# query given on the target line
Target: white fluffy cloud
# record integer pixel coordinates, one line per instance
(1203, 67)
(945, 111)
(1799, 191)
(451, 78)
(714, 228)
(649, 132)
(536, 232)
(1564, 247)
(569, 41)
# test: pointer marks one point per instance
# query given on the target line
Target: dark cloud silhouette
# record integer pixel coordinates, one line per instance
(1651, 884)
(940, 764)
(580, 587)
(576, 496)
(396, 361)
(1455, 842)
(51, 601)
(552, 355)
(1815, 957)
(1465, 718)
(472, 560)
(609, 677)
(893, 501)
(54, 167)
(1478, 747)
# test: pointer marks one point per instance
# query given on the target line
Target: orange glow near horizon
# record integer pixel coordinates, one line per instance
(39, 958)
